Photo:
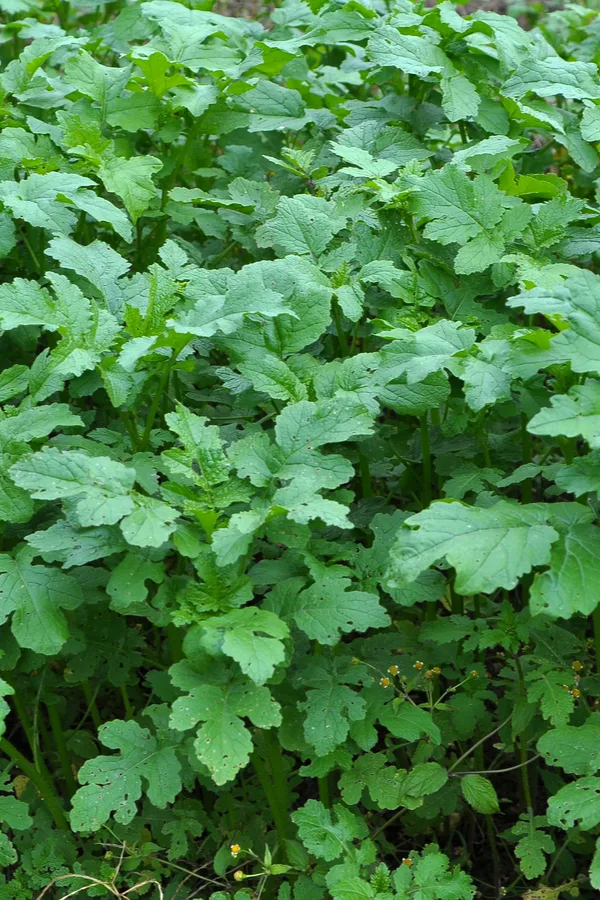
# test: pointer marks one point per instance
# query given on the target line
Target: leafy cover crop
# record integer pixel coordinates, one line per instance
(299, 452)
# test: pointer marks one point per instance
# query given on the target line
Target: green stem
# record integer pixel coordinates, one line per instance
(32, 253)
(44, 787)
(175, 643)
(91, 702)
(527, 485)
(156, 400)
(324, 795)
(426, 453)
(392, 819)
(474, 747)
(24, 719)
(458, 603)
(365, 475)
(61, 749)
(129, 713)
(274, 783)
(131, 427)
(337, 321)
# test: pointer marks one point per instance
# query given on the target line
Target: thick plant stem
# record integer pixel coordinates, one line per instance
(23, 715)
(162, 384)
(175, 643)
(92, 705)
(324, 795)
(129, 713)
(274, 783)
(337, 321)
(426, 453)
(42, 784)
(458, 603)
(61, 749)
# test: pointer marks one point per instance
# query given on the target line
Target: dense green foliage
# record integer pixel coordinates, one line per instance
(299, 452)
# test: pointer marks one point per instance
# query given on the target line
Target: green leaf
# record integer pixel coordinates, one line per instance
(577, 803)
(370, 772)
(430, 878)
(568, 587)
(576, 414)
(576, 301)
(327, 609)
(574, 748)
(479, 792)
(113, 784)
(223, 743)
(426, 351)
(202, 459)
(330, 705)
(252, 637)
(304, 226)
(102, 484)
(131, 180)
(98, 82)
(532, 847)
(406, 721)
(551, 76)
(489, 547)
(38, 422)
(325, 833)
(549, 690)
(411, 54)
(36, 596)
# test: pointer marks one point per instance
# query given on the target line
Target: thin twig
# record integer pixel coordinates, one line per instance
(496, 771)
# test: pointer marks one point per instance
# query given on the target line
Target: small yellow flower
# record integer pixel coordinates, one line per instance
(238, 875)
(474, 673)
(577, 666)
(429, 674)
(503, 892)
(436, 670)
(576, 693)
(418, 665)
(393, 670)
(235, 849)
(407, 862)
(385, 682)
